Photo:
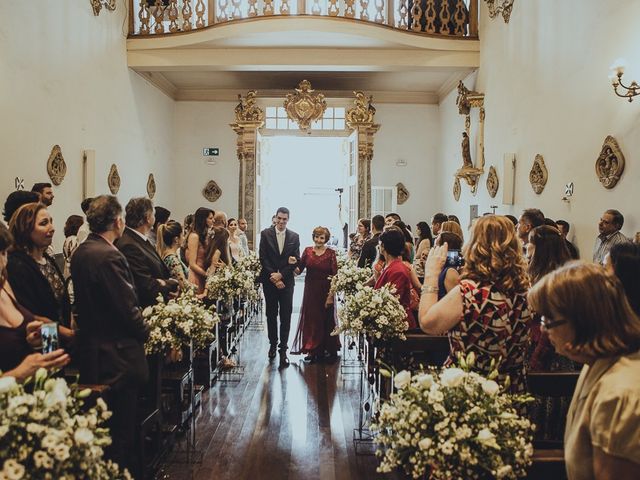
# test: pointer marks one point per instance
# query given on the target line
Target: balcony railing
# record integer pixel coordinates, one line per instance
(451, 18)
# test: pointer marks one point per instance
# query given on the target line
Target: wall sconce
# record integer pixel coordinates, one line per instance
(98, 4)
(617, 70)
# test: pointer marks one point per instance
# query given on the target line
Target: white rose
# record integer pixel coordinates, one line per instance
(83, 436)
(402, 379)
(13, 470)
(490, 387)
(425, 380)
(504, 471)
(147, 311)
(7, 384)
(452, 377)
(485, 436)
(425, 443)
(58, 392)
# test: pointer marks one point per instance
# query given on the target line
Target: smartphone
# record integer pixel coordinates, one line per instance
(49, 335)
(454, 259)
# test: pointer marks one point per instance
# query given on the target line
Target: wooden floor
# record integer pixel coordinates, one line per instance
(295, 423)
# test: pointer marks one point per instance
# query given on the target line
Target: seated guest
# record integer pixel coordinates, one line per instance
(111, 332)
(589, 320)
(609, 227)
(362, 235)
(487, 313)
(45, 191)
(169, 236)
(197, 244)
(37, 281)
(395, 272)
(564, 226)
(15, 200)
(369, 250)
(624, 260)
(19, 329)
(71, 227)
(162, 216)
(449, 276)
(150, 274)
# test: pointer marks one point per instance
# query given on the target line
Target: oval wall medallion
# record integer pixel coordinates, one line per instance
(403, 193)
(113, 180)
(151, 186)
(492, 182)
(56, 167)
(538, 175)
(456, 189)
(211, 191)
(610, 163)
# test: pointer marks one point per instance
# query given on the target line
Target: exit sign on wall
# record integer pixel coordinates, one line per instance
(211, 152)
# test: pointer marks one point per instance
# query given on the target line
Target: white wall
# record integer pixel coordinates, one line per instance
(64, 80)
(544, 76)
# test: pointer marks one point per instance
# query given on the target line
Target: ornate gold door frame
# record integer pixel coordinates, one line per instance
(250, 118)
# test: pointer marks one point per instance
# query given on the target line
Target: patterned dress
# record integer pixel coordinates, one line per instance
(493, 326)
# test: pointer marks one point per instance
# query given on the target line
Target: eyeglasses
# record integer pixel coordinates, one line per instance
(549, 323)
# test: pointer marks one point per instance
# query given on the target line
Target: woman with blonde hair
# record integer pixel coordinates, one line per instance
(589, 320)
(487, 313)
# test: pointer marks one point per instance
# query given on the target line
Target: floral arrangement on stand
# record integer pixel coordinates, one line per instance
(44, 433)
(376, 313)
(226, 284)
(454, 424)
(349, 278)
(250, 264)
(248, 269)
(341, 258)
(179, 323)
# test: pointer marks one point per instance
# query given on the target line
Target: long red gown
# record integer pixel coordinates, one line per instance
(316, 322)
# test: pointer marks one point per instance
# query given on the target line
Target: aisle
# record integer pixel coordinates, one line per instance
(295, 423)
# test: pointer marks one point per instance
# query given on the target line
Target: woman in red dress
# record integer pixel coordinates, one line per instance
(316, 314)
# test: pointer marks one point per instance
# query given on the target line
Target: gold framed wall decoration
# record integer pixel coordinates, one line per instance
(151, 186)
(493, 183)
(497, 7)
(212, 191)
(538, 175)
(456, 189)
(610, 163)
(113, 179)
(403, 193)
(56, 166)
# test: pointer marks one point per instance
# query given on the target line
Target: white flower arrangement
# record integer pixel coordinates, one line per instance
(229, 283)
(377, 313)
(342, 258)
(45, 435)
(178, 323)
(453, 425)
(348, 277)
(250, 264)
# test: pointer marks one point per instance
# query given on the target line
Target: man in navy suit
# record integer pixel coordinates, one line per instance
(277, 244)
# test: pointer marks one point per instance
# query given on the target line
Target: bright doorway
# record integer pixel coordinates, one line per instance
(309, 176)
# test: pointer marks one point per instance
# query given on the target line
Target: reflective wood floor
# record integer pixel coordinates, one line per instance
(295, 423)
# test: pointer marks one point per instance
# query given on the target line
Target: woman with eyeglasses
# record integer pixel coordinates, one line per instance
(588, 319)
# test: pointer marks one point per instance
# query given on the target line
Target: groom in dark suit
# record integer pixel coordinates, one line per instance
(277, 244)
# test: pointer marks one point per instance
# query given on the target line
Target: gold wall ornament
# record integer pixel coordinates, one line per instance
(456, 189)
(610, 163)
(98, 4)
(247, 110)
(403, 193)
(56, 167)
(113, 180)
(151, 186)
(211, 191)
(497, 7)
(305, 106)
(470, 171)
(538, 175)
(468, 99)
(492, 182)
(362, 112)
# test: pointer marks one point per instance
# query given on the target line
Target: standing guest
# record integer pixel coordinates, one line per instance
(37, 281)
(453, 227)
(197, 244)
(45, 190)
(453, 218)
(71, 227)
(317, 319)
(513, 219)
(218, 253)
(162, 216)
(187, 227)
(530, 219)
(369, 250)
(15, 200)
(220, 219)
(169, 237)
(362, 235)
(624, 260)
(395, 272)
(590, 321)
(277, 244)
(487, 313)
(83, 231)
(564, 226)
(449, 276)
(424, 242)
(391, 218)
(637, 238)
(609, 227)
(150, 274)
(436, 222)
(242, 229)
(111, 332)
(235, 244)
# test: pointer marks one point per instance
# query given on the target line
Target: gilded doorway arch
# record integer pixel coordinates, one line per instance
(250, 118)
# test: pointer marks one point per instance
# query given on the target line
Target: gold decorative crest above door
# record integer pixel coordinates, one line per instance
(305, 106)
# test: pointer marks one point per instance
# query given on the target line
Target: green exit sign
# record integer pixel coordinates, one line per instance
(211, 152)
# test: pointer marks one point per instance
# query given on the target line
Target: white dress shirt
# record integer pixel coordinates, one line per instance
(280, 235)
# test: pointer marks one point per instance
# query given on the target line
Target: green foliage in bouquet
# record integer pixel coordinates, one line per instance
(177, 323)
(453, 424)
(44, 433)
